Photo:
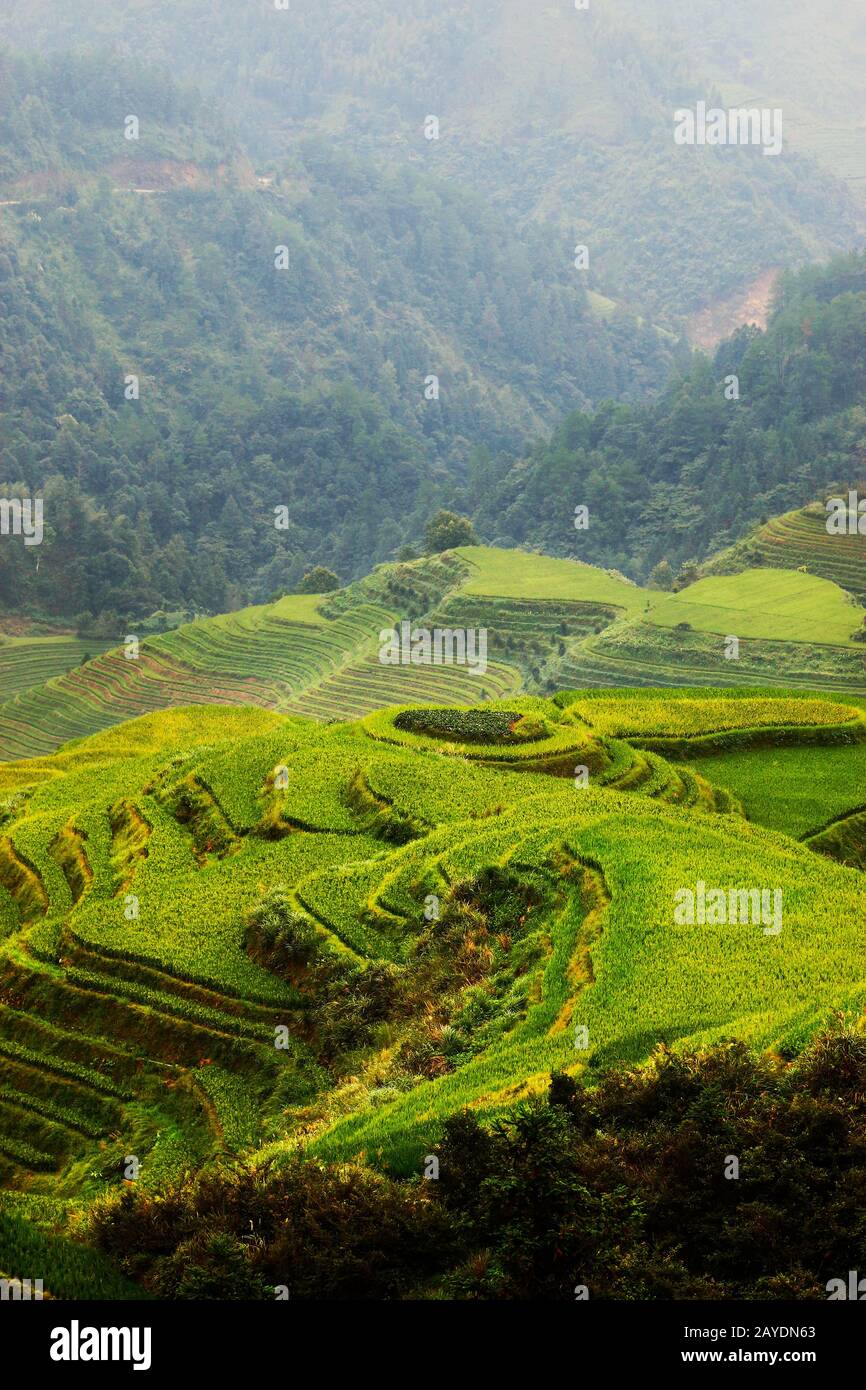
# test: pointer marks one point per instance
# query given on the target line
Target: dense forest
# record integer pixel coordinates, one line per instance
(688, 474)
(308, 388)
(562, 118)
(65, 114)
(305, 310)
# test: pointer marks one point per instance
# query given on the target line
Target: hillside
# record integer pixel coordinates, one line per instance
(68, 117)
(790, 629)
(255, 389)
(563, 118)
(169, 907)
(799, 539)
(549, 623)
(167, 386)
(777, 55)
(781, 607)
(773, 421)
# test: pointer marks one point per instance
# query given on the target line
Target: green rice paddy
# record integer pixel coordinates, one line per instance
(149, 808)
(550, 624)
(135, 1020)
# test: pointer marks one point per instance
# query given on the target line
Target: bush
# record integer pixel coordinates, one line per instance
(529, 729)
(324, 1233)
(319, 580)
(467, 725)
(621, 1187)
(279, 938)
(446, 531)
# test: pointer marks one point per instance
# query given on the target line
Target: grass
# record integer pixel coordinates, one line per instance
(780, 605)
(796, 790)
(67, 1268)
(521, 575)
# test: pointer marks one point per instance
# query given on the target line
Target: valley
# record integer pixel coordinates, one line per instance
(432, 669)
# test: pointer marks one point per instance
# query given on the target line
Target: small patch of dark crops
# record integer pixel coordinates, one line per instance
(472, 725)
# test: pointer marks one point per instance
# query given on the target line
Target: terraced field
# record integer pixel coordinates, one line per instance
(523, 575)
(792, 629)
(799, 790)
(260, 656)
(368, 685)
(550, 624)
(233, 929)
(636, 657)
(306, 654)
(30, 661)
(798, 539)
(776, 605)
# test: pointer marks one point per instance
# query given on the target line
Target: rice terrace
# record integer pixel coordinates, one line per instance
(432, 677)
(233, 932)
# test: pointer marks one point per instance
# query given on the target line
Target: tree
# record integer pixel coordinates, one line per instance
(446, 530)
(688, 574)
(318, 580)
(662, 576)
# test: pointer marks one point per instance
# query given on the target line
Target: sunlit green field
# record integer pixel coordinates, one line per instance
(797, 790)
(131, 861)
(516, 574)
(782, 605)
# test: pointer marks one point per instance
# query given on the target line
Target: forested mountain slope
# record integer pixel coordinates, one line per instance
(561, 116)
(308, 387)
(688, 474)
